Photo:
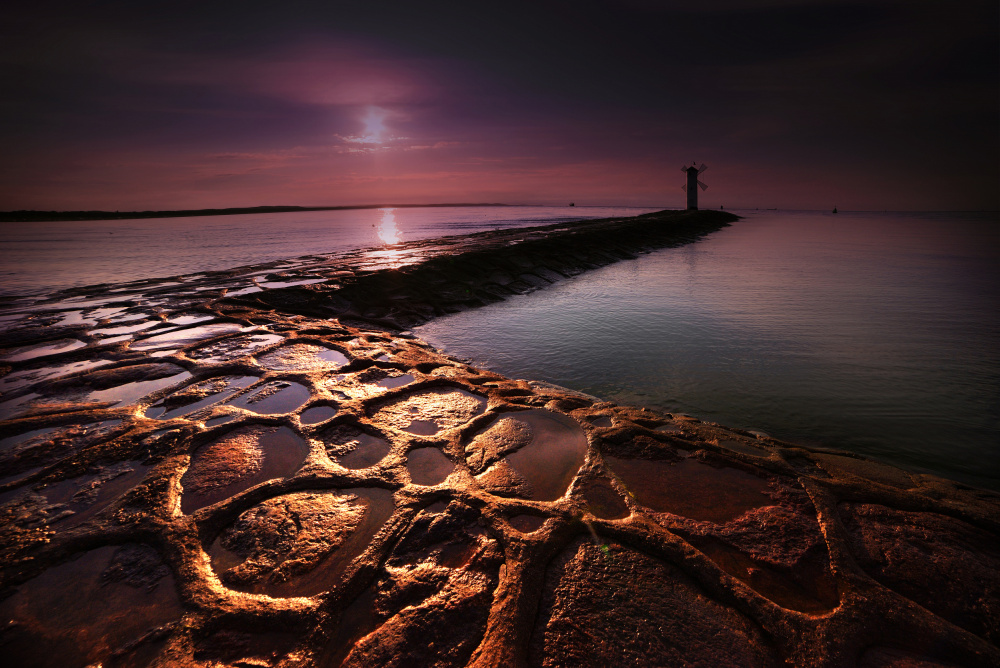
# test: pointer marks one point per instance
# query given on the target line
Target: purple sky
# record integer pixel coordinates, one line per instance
(883, 104)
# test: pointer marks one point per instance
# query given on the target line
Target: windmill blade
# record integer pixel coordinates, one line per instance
(702, 168)
(684, 169)
(702, 185)
(684, 187)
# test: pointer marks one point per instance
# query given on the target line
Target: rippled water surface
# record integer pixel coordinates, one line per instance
(877, 333)
(41, 257)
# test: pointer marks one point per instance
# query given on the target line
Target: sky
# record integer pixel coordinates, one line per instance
(882, 104)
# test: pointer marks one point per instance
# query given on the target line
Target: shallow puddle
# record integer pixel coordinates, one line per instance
(436, 507)
(184, 337)
(83, 302)
(35, 434)
(81, 498)
(16, 478)
(288, 284)
(199, 395)
(526, 523)
(317, 414)
(423, 427)
(368, 451)
(303, 357)
(19, 379)
(428, 466)
(815, 592)
(79, 435)
(74, 318)
(222, 419)
(129, 393)
(34, 352)
(124, 329)
(603, 500)
(378, 507)
(189, 318)
(107, 313)
(395, 381)
(691, 488)
(15, 407)
(128, 317)
(430, 411)
(555, 453)
(114, 339)
(272, 398)
(79, 612)
(243, 291)
(238, 461)
(358, 620)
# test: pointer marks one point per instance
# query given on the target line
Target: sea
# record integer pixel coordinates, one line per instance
(872, 332)
(39, 258)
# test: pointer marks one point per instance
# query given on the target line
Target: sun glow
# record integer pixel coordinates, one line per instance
(374, 122)
(387, 230)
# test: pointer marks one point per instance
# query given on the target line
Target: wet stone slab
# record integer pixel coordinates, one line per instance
(691, 488)
(277, 396)
(923, 556)
(428, 466)
(238, 461)
(411, 509)
(353, 448)
(537, 454)
(610, 593)
(198, 395)
(183, 337)
(34, 352)
(234, 348)
(427, 412)
(317, 414)
(284, 537)
(300, 544)
(117, 595)
(303, 357)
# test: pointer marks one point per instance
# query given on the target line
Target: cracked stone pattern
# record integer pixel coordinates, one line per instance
(841, 562)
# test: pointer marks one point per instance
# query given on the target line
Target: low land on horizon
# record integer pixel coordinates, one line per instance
(30, 216)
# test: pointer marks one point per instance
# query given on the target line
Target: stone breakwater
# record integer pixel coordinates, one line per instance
(282, 477)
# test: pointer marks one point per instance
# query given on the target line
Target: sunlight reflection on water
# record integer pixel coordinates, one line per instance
(387, 230)
(46, 256)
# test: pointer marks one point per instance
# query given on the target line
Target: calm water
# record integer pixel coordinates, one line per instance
(37, 258)
(877, 333)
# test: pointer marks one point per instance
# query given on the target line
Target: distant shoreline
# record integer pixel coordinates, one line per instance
(25, 216)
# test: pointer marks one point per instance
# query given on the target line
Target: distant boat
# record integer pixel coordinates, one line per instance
(835, 209)
(572, 203)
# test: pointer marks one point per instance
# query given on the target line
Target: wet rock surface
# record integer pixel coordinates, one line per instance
(287, 535)
(433, 513)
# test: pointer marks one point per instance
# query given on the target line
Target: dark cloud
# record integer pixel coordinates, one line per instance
(795, 103)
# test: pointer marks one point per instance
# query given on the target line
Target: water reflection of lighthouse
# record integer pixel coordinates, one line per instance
(387, 230)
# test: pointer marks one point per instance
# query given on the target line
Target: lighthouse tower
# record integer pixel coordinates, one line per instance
(692, 185)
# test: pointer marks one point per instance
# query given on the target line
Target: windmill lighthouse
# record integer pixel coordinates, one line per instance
(692, 185)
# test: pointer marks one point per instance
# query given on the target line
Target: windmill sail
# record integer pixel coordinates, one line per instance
(693, 183)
